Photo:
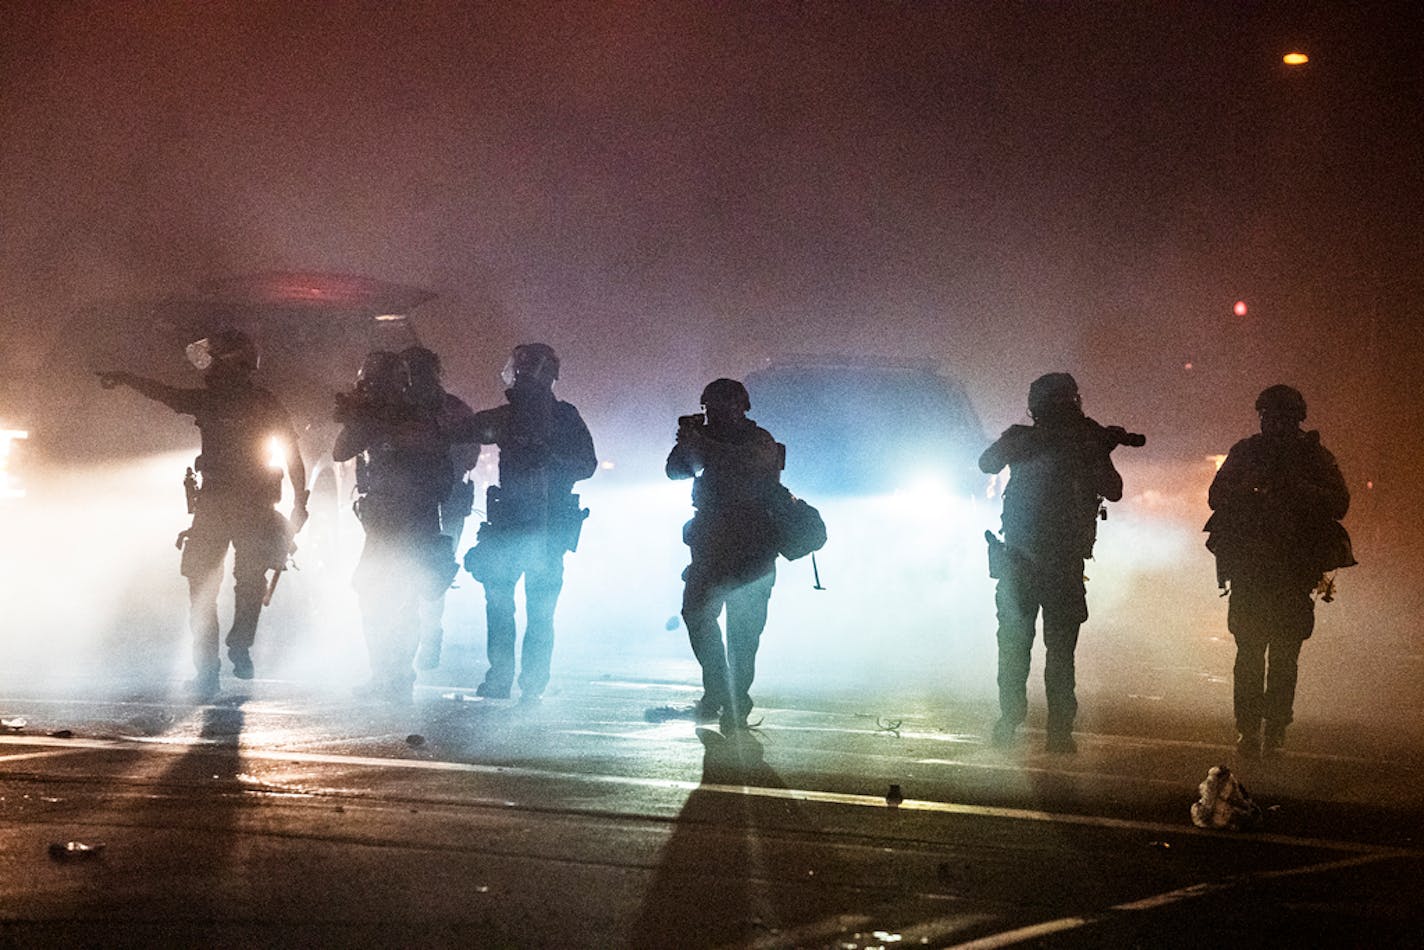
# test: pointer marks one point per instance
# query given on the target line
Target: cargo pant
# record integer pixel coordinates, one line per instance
(508, 555)
(391, 578)
(1270, 619)
(258, 537)
(727, 668)
(1058, 590)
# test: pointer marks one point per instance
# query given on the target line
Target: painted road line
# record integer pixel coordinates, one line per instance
(812, 796)
(860, 932)
(277, 708)
(1087, 739)
(818, 933)
(1019, 935)
(675, 730)
(248, 704)
(47, 754)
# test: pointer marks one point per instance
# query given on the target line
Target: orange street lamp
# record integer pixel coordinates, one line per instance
(1295, 59)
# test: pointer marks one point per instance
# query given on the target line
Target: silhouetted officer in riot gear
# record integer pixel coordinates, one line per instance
(403, 472)
(427, 392)
(736, 466)
(532, 516)
(239, 424)
(1061, 471)
(1276, 501)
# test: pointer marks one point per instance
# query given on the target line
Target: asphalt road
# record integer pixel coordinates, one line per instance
(285, 815)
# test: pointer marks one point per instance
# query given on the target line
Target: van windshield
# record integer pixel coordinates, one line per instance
(865, 429)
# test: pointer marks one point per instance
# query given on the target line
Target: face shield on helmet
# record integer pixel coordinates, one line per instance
(383, 376)
(199, 354)
(423, 367)
(422, 363)
(531, 362)
(227, 351)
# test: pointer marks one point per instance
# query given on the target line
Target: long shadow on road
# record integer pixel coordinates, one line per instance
(170, 868)
(716, 883)
(201, 863)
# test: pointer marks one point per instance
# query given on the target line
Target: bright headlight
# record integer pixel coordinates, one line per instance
(9, 481)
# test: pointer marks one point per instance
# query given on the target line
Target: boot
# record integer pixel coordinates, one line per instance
(241, 662)
(1004, 734)
(1248, 743)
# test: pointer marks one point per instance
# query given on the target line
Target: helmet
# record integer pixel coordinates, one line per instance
(382, 372)
(1283, 399)
(533, 361)
(421, 362)
(231, 349)
(727, 391)
(1053, 390)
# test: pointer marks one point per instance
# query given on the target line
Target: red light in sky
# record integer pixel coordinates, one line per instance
(1240, 308)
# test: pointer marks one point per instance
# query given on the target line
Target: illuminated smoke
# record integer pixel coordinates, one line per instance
(94, 597)
(676, 192)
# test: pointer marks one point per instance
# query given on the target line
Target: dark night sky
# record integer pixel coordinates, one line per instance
(675, 191)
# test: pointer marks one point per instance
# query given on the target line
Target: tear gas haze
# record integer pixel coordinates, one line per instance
(673, 193)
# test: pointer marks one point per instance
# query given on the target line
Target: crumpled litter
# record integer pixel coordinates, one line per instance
(1225, 805)
(888, 726)
(74, 850)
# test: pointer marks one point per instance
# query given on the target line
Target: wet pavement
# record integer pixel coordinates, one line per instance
(288, 815)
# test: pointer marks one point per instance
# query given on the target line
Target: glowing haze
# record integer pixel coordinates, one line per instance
(673, 192)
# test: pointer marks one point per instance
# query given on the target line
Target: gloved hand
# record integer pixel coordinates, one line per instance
(299, 514)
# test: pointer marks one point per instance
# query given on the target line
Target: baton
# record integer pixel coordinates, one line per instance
(271, 587)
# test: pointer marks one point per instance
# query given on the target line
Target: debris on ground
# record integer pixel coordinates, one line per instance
(658, 714)
(1224, 804)
(887, 726)
(74, 850)
(892, 726)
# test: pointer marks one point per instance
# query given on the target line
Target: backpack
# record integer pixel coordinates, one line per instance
(800, 530)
